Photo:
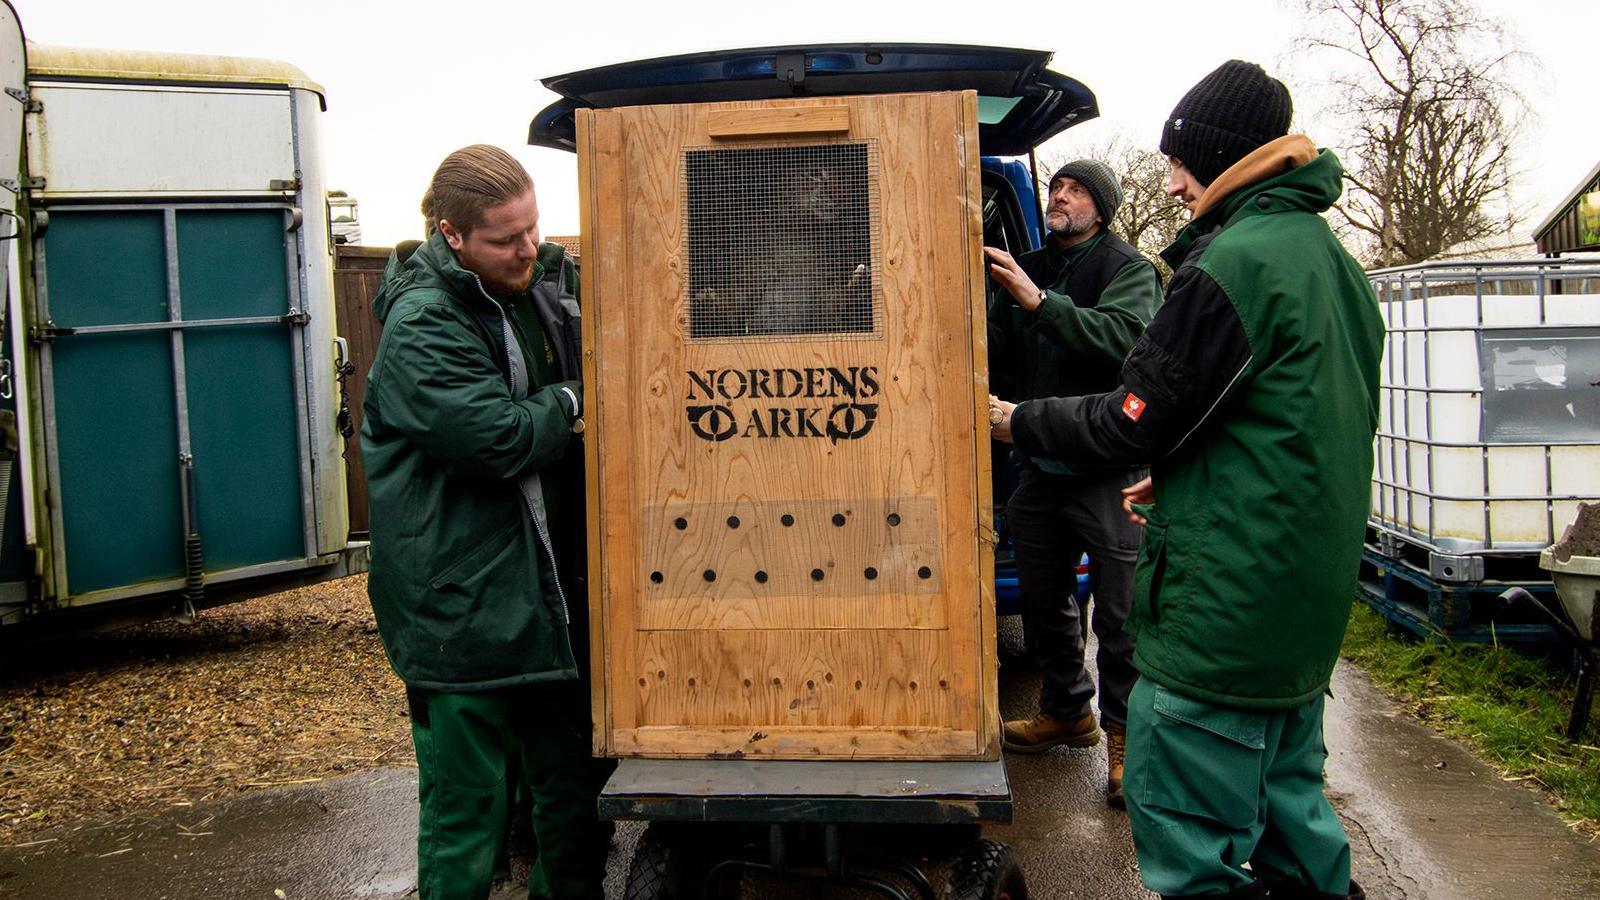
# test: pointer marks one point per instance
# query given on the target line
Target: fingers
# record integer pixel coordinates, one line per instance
(1141, 491)
(1135, 518)
(1001, 261)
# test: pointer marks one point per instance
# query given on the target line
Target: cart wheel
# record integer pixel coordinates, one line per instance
(663, 868)
(986, 870)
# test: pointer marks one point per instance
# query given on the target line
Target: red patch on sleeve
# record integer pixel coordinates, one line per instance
(1132, 406)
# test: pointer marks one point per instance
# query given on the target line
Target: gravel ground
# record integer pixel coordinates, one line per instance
(285, 689)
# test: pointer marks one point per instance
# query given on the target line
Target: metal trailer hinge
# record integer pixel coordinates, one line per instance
(16, 186)
(29, 105)
(285, 184)
(47, 332)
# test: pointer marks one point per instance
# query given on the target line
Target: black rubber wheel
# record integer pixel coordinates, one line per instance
(671, 865)
(986, 870)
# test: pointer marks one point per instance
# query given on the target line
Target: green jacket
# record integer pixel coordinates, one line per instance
(1245, 579)
(1099, 296)
(461, 583)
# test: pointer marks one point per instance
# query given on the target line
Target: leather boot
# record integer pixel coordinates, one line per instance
(1044, 731)
(1116, 745)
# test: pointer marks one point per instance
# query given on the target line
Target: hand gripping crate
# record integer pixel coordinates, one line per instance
(788, 453)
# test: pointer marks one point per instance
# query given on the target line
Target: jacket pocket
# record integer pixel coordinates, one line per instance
(465, 570)
(1205, 760)
(1151, 569)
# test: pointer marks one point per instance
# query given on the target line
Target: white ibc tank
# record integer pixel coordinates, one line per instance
(1490, 406)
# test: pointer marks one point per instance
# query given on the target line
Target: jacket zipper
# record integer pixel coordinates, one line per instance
(513, 354)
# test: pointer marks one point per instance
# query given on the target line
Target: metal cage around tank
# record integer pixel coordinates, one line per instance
(1489, 431)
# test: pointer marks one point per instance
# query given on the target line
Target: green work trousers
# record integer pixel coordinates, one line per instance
(1210, 788)
(465, 744)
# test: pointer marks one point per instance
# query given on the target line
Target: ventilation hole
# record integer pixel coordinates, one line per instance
(787, 520)
(711, 575)
(761, 576)
(657, 577)
(838, 520)
(924, 573)
(733, 521)
(894, 519)
(680, 523)
(871, 573)
(816, 574)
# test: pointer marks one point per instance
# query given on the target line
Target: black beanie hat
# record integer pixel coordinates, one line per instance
(1098, 179)
(1229, 113)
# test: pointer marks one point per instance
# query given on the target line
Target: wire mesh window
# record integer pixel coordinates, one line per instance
(782, 240)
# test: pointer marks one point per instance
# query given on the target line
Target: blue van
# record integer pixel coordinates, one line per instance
(1021, 104)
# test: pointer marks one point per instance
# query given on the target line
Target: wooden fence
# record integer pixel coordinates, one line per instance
(357, 273)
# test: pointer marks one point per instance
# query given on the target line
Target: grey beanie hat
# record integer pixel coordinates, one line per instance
(1098, 179)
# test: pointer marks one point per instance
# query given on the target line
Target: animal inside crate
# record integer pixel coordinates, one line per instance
(788, 458)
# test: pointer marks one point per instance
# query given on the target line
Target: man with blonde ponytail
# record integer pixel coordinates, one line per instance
(475, 473)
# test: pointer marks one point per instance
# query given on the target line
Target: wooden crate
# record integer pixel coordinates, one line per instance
(788, 448)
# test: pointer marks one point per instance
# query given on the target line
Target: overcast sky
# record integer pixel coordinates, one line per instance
(408, 82)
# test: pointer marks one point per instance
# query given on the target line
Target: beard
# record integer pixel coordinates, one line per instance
(505, 285)
(1065, 225)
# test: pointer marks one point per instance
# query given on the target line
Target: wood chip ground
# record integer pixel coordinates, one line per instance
(285, 689)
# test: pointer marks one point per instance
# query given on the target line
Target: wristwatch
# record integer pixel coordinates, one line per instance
(1043, 295)
(996, 416)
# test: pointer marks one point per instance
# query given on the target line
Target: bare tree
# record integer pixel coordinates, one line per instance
(1423, 89)
(1148, 219)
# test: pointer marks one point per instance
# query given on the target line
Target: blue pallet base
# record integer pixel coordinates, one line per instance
(1463, 612)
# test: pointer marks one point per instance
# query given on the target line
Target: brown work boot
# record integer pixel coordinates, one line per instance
(1116, 745)
(1044, 731)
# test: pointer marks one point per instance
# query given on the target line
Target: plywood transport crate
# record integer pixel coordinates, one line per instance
(788, 457)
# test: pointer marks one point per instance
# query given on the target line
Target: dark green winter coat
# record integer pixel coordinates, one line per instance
(460, 584)
(1246, 575)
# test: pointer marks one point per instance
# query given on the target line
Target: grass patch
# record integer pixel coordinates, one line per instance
(1511, 708)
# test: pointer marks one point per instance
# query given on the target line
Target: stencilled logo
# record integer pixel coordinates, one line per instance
(783, 403)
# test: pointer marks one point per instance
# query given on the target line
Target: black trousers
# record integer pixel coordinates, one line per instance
(1054, 519)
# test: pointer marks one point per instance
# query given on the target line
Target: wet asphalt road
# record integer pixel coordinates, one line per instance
(1426, 820)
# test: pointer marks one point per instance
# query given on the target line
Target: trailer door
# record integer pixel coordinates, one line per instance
(169, 326)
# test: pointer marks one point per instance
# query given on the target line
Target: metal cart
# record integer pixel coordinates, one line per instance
(905, 830)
